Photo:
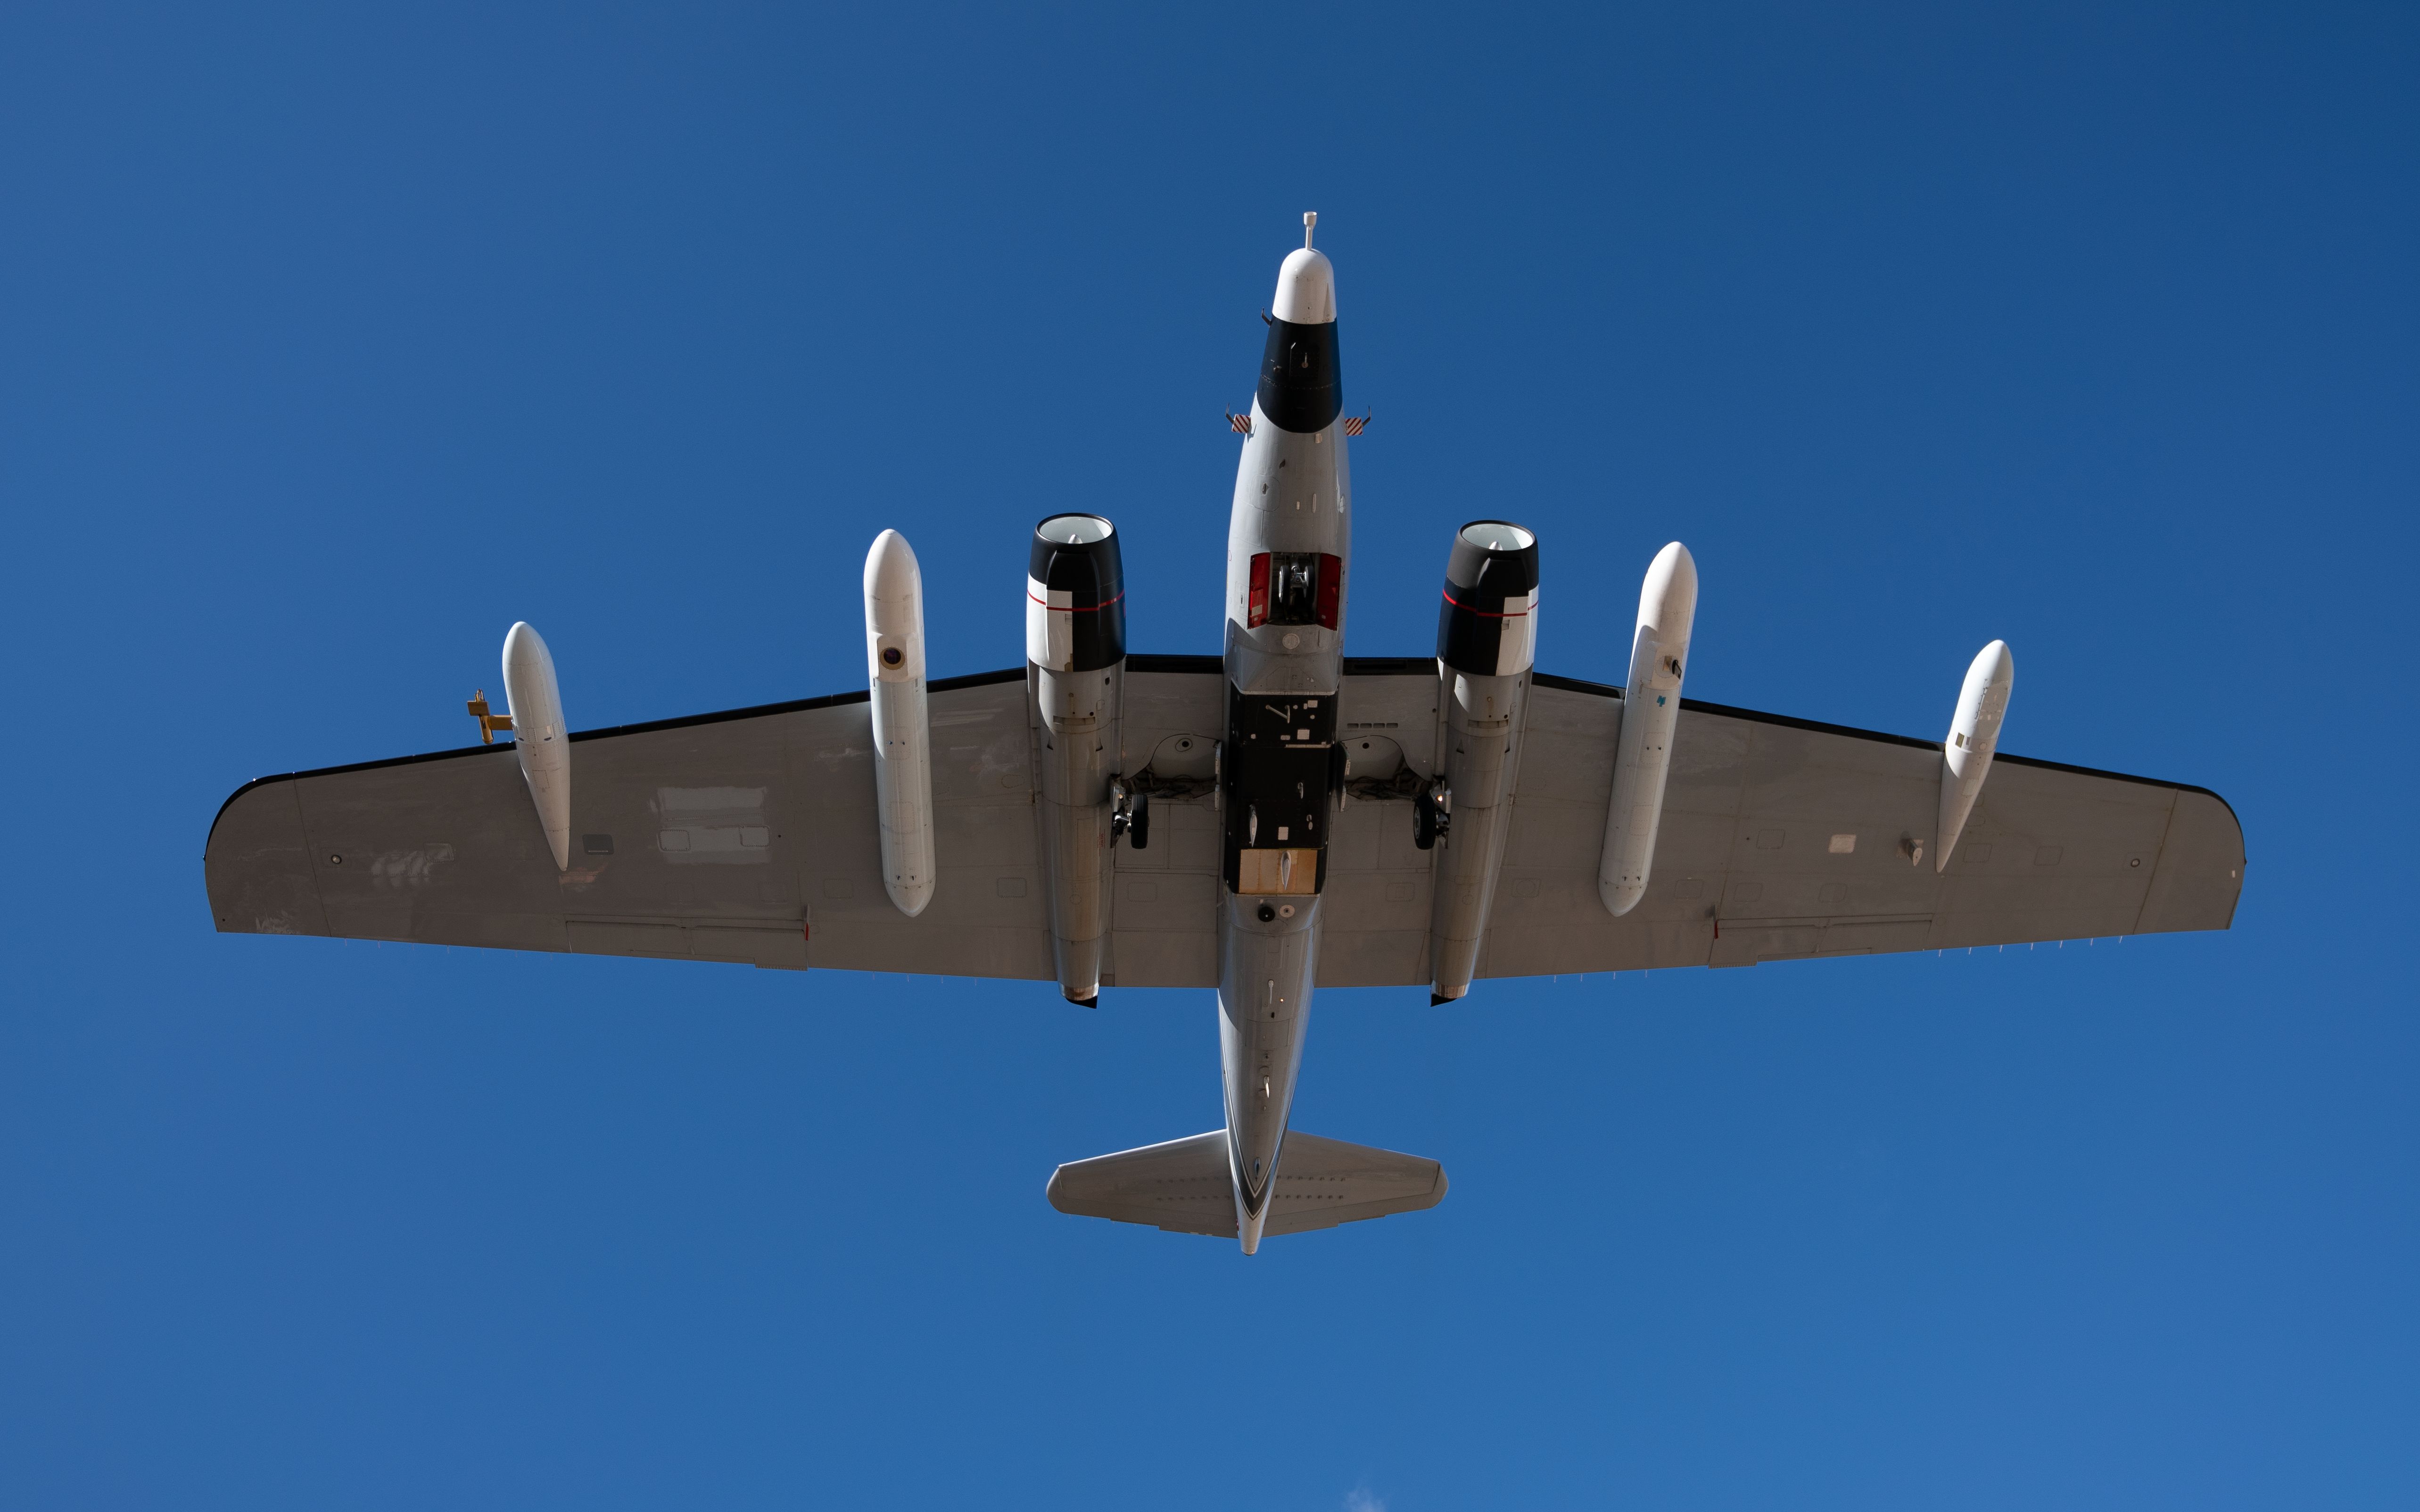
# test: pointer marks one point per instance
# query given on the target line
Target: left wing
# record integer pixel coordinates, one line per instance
(746, 836)
(742, 837)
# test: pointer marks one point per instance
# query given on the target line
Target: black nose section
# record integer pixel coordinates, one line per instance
(1300, 391)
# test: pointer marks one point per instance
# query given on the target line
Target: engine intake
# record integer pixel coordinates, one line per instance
(1075, 595)
(1488, 625)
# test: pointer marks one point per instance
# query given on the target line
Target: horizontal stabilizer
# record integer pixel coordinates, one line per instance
(1184, 1185)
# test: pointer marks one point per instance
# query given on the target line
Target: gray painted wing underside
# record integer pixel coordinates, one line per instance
(747, 837)
(1782, 838)
(750, 838)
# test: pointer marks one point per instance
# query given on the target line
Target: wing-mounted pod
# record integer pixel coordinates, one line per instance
(902, 747)
(1487, 636)
(1974, 735)
(1076, 651)
(1651, 712)
(539, 738)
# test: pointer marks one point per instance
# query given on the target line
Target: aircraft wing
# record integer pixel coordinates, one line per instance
(744, 836)
(1781, 838)
(749, 837)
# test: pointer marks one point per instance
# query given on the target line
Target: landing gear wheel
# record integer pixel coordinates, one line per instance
(1129, 813)
(1430, 817)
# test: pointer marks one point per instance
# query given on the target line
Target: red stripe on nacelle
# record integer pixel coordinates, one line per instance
(1489, 613)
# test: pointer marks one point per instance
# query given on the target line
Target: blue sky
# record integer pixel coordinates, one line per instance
(332, 341)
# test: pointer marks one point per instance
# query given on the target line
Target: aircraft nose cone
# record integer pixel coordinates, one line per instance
(1306, 288)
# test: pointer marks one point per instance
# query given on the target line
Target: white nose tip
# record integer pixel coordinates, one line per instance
(891, 567)
(1999, 662)
(1668, 597)
(1306, 288)
(525, 653)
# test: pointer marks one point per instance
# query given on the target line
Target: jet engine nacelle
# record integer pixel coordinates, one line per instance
(1075, 654)
(1487, 636)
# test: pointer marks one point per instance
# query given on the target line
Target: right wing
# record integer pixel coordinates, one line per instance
(1784, 838)
(1781, 838)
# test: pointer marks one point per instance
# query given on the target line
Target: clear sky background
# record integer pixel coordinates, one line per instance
(334, 340)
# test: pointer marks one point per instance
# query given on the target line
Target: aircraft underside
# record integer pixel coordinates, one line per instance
(1266, 822)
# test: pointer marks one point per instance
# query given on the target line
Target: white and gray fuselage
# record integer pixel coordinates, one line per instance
(1289, 550)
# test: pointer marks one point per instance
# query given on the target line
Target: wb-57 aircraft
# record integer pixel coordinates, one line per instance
(1275, 819)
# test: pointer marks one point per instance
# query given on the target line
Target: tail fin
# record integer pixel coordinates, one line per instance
(1184, 1186)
